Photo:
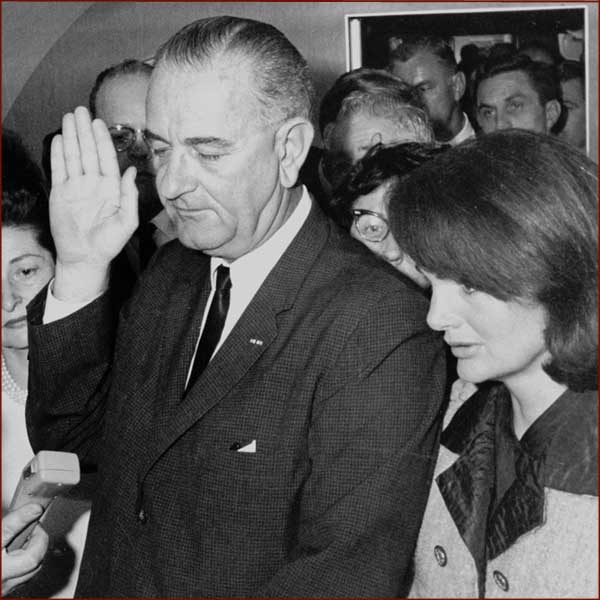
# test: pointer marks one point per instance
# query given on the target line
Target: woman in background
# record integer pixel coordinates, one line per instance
(361, 203)
(505, 228)
(27, 266)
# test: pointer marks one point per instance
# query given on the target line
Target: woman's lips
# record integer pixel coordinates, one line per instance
(16, 323)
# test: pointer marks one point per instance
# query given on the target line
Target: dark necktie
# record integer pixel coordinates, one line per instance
(213, 327)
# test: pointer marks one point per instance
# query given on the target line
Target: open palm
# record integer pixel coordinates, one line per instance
(93, 210)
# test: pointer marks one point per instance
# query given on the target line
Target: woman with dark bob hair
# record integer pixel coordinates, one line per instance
(505, 228)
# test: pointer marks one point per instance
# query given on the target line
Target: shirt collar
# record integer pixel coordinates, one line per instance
(465, 133)
(250, 270)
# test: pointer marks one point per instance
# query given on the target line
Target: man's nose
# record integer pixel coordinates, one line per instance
(503, 121)
(139, 151)
(176, 177)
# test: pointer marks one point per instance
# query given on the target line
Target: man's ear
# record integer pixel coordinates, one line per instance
(293, 140)
(552, 109)
(459, 83)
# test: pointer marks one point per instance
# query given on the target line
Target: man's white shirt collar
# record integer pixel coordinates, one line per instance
(465, 133)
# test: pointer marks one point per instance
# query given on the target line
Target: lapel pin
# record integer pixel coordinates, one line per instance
(256, 342)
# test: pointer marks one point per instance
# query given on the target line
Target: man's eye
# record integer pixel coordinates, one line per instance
(514, 106)
(486, 113)
(160, 150)
(207, 156)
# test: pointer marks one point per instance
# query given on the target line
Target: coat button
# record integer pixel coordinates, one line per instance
(440, 556)
(142, 517)
(501, 581)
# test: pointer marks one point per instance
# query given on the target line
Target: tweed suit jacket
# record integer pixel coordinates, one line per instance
(331, 371)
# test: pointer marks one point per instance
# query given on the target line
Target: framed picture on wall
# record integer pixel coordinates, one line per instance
(546, 33)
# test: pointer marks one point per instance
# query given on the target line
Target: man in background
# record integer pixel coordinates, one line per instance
(514, 91)
(362, 108)
(427, 63)
(571, 75)
(119, 99)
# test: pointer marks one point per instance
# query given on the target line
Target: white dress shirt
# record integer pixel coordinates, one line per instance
(465, 133)
(249, 271)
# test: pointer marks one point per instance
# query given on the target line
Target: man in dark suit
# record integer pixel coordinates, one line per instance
(265, 417)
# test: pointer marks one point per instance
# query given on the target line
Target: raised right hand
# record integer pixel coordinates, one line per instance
(93, 210)
(20, 565)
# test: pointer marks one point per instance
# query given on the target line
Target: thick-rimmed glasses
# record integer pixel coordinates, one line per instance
(371, 226)
(124, 137)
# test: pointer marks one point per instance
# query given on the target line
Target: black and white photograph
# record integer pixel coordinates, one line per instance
(299, 299)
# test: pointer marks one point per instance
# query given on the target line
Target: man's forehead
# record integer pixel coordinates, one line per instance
(122, 99)
(199, 99)
(422, 65)
(509, 83)
(200, 83)
(131, 84)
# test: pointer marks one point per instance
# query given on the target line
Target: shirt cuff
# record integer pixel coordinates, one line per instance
(58, 309)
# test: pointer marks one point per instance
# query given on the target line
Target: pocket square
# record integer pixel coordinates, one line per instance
(247, 449)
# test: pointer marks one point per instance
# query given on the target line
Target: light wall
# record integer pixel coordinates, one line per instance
(52, 51)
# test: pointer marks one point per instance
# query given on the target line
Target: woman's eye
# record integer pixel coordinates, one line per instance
(27, 273)
(468, 290)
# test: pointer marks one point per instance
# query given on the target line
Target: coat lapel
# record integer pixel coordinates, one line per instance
(252, 335)
(467, 485)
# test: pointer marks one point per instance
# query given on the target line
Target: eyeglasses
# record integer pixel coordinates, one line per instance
(371, 226)
(124, 137)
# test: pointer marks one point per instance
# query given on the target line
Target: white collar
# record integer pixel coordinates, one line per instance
(249, 271)
(465, 133)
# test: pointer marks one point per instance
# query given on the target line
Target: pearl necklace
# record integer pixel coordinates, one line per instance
(10, 387)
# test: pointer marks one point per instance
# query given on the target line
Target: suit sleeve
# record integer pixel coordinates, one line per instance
(373, 443)
(69, 376)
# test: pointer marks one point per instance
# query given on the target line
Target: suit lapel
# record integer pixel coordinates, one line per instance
(250, 338)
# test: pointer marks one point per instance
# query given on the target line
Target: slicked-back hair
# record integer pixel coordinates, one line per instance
(380, 165)
(514, 214)
(390, 107)
(372, 81)
(282, 84)
(543, 77)
(24, 191)
(131, 66)
(408, 45)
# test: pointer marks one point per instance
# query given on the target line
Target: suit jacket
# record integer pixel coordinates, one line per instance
(331, 370)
